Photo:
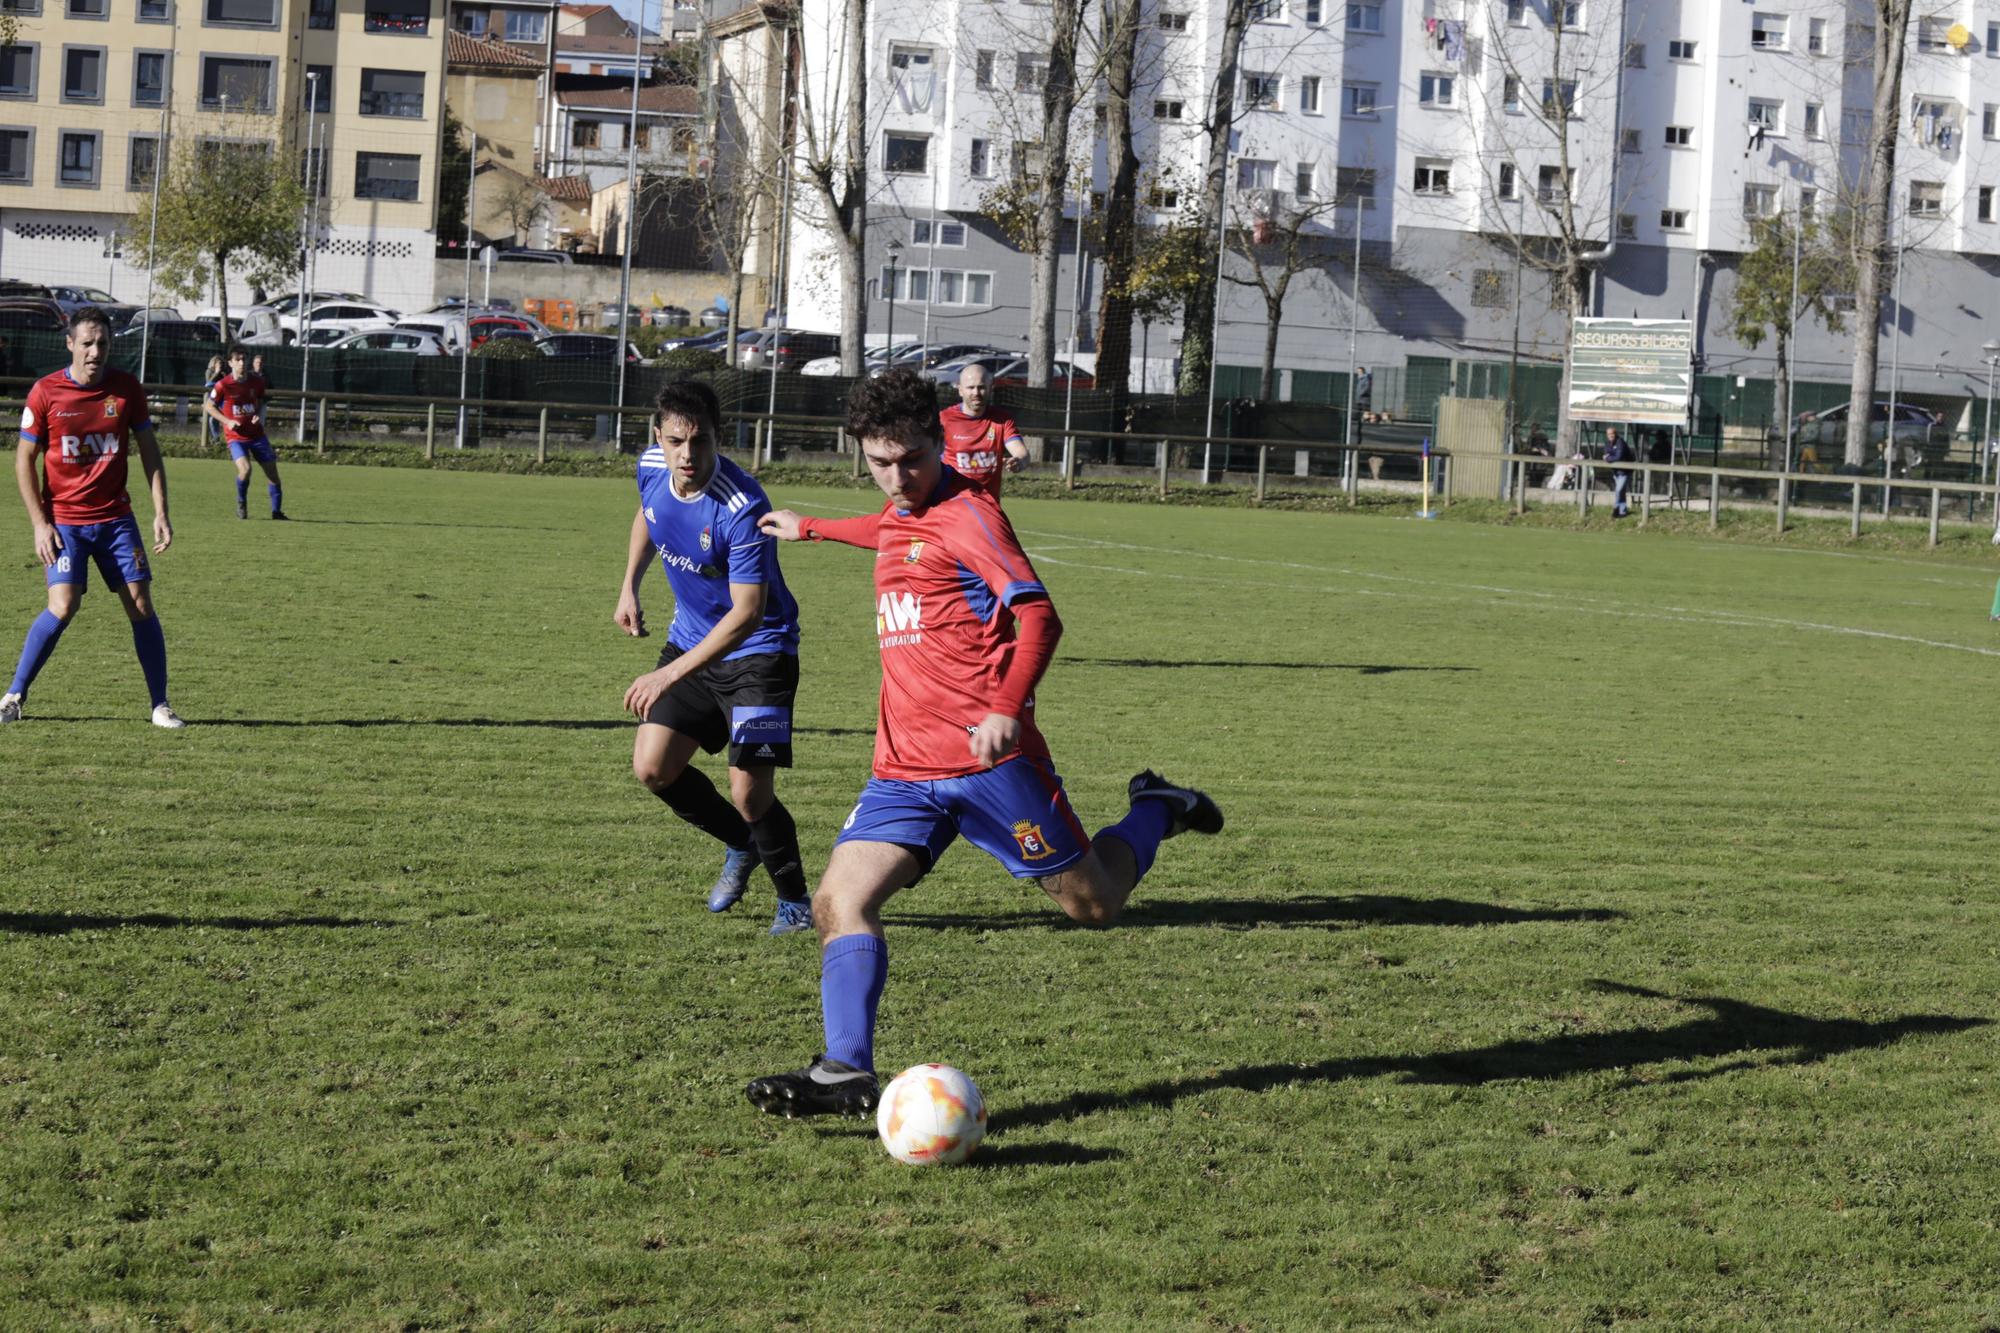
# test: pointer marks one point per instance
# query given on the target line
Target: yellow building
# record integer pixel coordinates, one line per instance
(97, 90)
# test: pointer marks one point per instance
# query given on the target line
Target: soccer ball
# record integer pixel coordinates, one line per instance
(931, 1115)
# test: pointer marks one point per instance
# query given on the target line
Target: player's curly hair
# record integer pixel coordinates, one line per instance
(89, 314)
(895, 405)
(691, 399)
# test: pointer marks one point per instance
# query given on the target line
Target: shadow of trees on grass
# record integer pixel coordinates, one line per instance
(1289, 913)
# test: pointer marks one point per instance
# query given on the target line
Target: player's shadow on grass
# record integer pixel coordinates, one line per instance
(1731, 1028)
(502, 723)
(63, 923)
(1360, 668)
(1288, 913)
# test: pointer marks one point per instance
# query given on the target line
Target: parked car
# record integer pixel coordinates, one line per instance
(526, 256)
(484, 326)
(398, 339)
(30, 315)
(921, 358)
(345, 316)
(790, 348)
(201, 332)
(73, 299)
(599, 347)
(1829, 427)
(20, 287)
(278, 306)
(155, 312)
(446, 327)
(948, 372)
(1015, 373)
(871, 361)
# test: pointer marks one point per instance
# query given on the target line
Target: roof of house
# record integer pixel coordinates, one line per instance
(587, 11)
(566, 189)
(608, 43)
(664, 99)
(464, 49)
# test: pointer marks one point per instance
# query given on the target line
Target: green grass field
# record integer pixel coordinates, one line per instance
(1604, 934)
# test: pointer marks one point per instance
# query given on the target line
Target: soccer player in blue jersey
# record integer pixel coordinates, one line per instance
(730, 666)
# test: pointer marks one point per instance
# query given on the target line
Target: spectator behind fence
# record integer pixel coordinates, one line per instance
(1617, 451)
(217, 369)
(1538, 444)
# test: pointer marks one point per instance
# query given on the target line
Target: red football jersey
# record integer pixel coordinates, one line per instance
(976, 447)
(87, 432)
(944, 576)
(242, 401)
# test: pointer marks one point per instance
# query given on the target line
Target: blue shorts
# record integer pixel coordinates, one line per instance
(116, 546)
(1016, 813)
(259, 449)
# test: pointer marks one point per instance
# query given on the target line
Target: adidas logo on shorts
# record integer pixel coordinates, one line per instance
(766, 752)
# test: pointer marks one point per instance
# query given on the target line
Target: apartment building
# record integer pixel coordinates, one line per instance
(97, 91)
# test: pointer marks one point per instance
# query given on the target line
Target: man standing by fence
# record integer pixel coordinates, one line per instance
(978, 441)
(1617, 451)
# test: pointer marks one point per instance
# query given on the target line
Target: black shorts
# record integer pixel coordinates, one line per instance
(744, 703)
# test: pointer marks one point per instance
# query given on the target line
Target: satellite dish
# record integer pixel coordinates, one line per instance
(1958, 36)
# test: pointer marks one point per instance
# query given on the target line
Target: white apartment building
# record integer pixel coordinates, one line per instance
(1685, 120)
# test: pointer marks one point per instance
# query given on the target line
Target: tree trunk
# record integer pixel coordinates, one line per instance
(222, 292)
(1058, 101)
(1781, 403)
(1877, 199)
(1575, 276)
(850, 216)
(1114, 318)
(1198, 311)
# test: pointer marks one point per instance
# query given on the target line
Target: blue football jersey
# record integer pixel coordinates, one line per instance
(707, 542)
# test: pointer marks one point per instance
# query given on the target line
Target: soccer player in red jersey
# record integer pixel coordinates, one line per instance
(80, 422)
(237, 401)
(978, 441)
(966, 630)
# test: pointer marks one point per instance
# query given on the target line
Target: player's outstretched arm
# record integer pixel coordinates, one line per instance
(156, 481)
(787, 526)
(782, 524)
(48, 542)
(638, 553)
(1017, 453)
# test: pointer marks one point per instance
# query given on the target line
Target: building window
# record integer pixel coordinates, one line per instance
(1358, 100)
(1303, 176)
(584, 133)
(79, 158)
(1993, 39)
(156, 11)
(142, 159)
(1678, 49)
(912, 72)
(1760, 201)
(1355, 183)
(149, 78)
(386, 176)
(236, 83)
(947, 235)
(1808, 203)
(87, 9)
(1027, 161)
(1260, 91)
(1767, 115)
(1989, 121)
(1510, 181)
(1517, 12)
(1309, 94)
(1311, 12)
(526, 26)
(1173, 21)
(1816, 36)
(319, 88)
(1565, 89)
(1628, 226)
(1635, 55)
(313, 170)
(1266, 11)
(18, 66)
(1167, 108)
(398, 93)
(1986, 203)
(1673, 219)
(1932, 34)
(982, 70)
(472, 22)
(1552, 184)
(1254, 173)
(83, 74)
(906, 154)
(1680, 136)
(1433, 176)
(979, 160)
(1815, 121)
(1571, 14)
(1510, 94)
(1628, 141)
(1767, 32)
(1030, 73)
(410, 18)
(1363, 17)
(17, 156)
(1926, 199)
(320, 14)
(1162, 197)
(1436, 89)
(240, 13)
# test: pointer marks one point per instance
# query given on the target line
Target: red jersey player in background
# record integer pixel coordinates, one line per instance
(978, 441)
(237, 401)
(80, 423)
(966, 630)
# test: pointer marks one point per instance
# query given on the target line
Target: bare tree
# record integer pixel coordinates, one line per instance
(1280, 241)
(830, 154)
(1121, 23)
(1872, 209)
(1059, 97)
(1198, 309)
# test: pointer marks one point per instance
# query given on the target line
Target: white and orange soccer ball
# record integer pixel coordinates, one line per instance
(931, 1115)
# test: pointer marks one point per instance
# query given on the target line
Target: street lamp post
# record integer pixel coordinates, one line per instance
(889, 294)
(1145, 338)
(1992, 351)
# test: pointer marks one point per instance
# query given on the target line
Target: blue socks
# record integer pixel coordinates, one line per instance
(242, 490)
(1143, 829)
(151, 645)
(852, 971)
(276, 494)
(42, 636)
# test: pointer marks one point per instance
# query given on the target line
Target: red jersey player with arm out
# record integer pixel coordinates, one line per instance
(79, 424)
(978, 441)
(966, 630)
(237, 401)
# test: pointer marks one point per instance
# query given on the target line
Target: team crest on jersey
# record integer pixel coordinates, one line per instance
(1028, 837)
(916, 552)
(705, 540)
(112, 407)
